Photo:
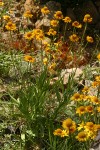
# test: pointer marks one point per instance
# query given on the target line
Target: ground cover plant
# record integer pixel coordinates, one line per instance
(42, 105)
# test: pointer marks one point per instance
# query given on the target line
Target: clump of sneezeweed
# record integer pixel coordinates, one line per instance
(40, 102)
(86, 110)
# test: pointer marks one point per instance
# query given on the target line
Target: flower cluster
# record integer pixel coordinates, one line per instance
(69, 127)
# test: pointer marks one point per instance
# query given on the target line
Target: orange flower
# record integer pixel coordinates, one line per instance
(1, 3)
(74, 38)
(54, 23)
(98, 109)
(76, 24)
(89, 39)
(98, 56)
(10, 26)
(95, 100)
(81, 110)
(67, 19)
(61, 133)
(69, 124)
(29, 35)
(40, 37)
(82, 136)
(87, 18)
(85, 89)
(29, 58)
(27, 14)
(45, 10)
(6, 17)
(51, 32)
(89, 109)
(76, 97)
(58, 15)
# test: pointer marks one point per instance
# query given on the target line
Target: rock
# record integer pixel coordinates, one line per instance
(87, 8)
(96, 143)
(28, 5)
(44, 22)
(71, 14)
(74, 72)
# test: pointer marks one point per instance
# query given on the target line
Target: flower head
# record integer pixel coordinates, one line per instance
(58, 15)
(98, 109)
(98, 56)
(89, 39)
(76, 24)
(29, 35)
(82, 136)
(81, 126)
(74, 38)
(87, 18)
(29, 58)
(89, 109)
(81, 110)
(45, 10)
(10, 26)
(69, 124)
(45, 61)
(51, 32)
(89, 126)
(61, 133)
(76, 97)
(40, 37)
(28, 14)
(54, 23)
(67, 19)
(85, 89)
(6, 17)
(95, 100)
(1, 3)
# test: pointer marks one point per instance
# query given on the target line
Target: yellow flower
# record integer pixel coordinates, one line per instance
(45, 10)
(98, 109)
(74, 38)
(69, 124)
(37, 32)
(45, 61)
(95, 84)
(76, 97)
(10, 26)
(81, 126)
(89, 126)
(95, 100)
(89, 109)
(89, 39)
(82, 136)
(81, 110)
(61, 133)
(87, 18)
(29, 35)
(85, 89)
(76, 24)
(67, 20)
(58, 15)
(97, 127)
(40, 37)
(54, 23)
(97, 78)
(51, 32)
(6, 17)
(29, 58)
(1, 3)
(27, 14)
(98, 56)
